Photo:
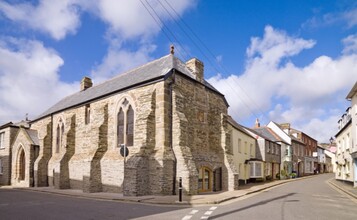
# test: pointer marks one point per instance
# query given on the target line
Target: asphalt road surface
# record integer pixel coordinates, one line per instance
(28, 205)
(311, 198)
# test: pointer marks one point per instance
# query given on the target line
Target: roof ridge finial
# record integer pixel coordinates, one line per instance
(172, 49)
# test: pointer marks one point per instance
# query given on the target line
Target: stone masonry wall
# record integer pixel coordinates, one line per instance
(43, 128)
(5, 154)
(22, 143)
(197, 132)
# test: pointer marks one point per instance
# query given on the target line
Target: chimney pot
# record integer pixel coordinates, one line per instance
(257, 123)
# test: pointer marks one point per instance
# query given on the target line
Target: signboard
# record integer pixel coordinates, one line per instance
(124, 151)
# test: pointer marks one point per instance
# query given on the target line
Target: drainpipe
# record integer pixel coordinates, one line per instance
(171, 134)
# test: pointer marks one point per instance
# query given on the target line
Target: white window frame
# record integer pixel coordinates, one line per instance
(2, 140)
(254, 170)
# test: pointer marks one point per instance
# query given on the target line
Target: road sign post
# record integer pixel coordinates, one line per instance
(180, 189)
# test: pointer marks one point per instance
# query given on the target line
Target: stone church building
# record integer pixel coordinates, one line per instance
(170, 121)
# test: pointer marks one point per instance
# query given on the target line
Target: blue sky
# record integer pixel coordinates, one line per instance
(287, 61)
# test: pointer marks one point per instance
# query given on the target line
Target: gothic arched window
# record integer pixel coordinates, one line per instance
(121, 127)
(57, 139)
(125, 124)
(59, 135)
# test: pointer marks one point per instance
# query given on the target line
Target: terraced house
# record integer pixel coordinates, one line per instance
(164, 115)
(352, 96)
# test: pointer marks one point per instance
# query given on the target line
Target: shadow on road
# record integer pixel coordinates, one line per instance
(253, 205)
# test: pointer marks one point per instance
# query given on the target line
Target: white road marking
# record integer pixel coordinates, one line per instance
(187, 217)
(213, 208)
(208, 213)
(205, 217)
(193, 212)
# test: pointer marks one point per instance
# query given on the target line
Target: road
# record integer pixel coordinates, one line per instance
(311, 198)
(28, 205)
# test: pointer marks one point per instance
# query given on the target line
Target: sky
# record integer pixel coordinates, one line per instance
(282, 60)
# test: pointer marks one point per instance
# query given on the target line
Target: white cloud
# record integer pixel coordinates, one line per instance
(29, 80)
(274, 46)
(350, 17)
(29, 72)
(134, 20)
(346, 17)
(289, 93)
(132, 23)
(350, 44)
(57, 18)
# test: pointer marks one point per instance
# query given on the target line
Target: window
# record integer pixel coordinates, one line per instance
(130, 127)
(87, 114)
(241, 170)
(120, 127)
(239, 145)
(22, 165)
(348, 141)
(272, 148)
(125, 125)
(59, 135)
(267, 146)
(2, 140)
(256, 169)
(204, 179)
(57, 138)
(245, 147)
(1, 167)
(251, 150)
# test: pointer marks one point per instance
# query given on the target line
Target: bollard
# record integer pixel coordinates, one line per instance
(180, 189)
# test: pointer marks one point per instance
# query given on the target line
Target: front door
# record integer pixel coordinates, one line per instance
(217, 179)
(204, 180)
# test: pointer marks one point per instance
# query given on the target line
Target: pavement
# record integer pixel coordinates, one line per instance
(345, 186)
(201, 199)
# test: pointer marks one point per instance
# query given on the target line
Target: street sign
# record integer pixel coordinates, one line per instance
(124, 151)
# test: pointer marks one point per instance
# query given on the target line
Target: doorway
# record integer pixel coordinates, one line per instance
(204, 180)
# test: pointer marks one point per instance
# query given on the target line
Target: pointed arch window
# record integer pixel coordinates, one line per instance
(121, 127)
(59, 135)
(57, 139)
(125, 124)
(22, 165)
(130, 126)
(87, 114)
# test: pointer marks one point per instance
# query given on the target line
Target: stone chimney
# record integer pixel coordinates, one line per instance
(257, 123)
(196, 66)
(86, 83)
(285, 127)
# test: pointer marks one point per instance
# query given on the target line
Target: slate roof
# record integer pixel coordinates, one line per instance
(268, 133)
(33, 134)
(238, 126)
(148, 73)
